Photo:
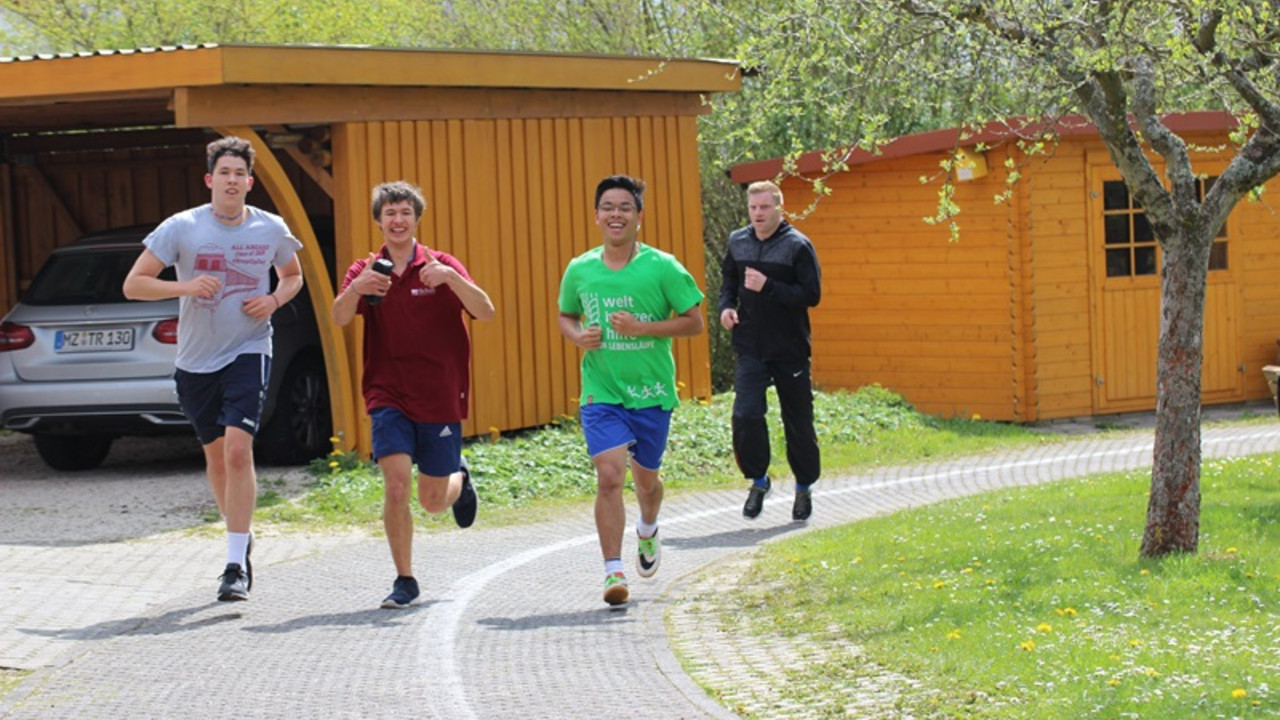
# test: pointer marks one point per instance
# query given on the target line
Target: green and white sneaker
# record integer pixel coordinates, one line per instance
(649, 555)
(615, 589)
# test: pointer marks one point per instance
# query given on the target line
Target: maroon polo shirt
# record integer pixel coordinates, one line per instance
(417, 353)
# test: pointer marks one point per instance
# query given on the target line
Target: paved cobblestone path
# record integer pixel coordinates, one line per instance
(512, 624)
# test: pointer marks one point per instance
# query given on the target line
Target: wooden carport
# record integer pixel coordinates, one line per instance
(506, 147)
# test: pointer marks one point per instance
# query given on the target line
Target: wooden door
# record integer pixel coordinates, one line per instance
(1125, 260)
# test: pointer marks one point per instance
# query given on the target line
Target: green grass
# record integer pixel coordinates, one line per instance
(526, 475)
(1033, 602)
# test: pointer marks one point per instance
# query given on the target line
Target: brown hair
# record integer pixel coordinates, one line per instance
(230, 145)
(398, 191)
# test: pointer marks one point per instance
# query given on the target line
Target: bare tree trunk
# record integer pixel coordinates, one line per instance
(1173, 511)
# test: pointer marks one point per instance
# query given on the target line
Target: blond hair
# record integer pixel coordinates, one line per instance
(766, 186)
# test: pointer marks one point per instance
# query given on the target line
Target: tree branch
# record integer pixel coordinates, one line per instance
(1170, 146)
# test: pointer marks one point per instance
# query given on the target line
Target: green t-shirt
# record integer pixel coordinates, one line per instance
(635, 372)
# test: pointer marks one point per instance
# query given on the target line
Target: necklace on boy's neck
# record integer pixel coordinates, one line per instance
(227, 218)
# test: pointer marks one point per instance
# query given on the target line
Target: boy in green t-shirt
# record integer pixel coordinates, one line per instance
(622, 303)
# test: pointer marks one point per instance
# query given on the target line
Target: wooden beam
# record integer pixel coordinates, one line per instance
(316, 275)
(148, 70)
(8, 278)
(434, 68)
(93, 115)
(75, 142)
(316, 173)
(202, 107)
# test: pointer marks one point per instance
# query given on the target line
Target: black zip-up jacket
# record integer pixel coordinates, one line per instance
(772, 324)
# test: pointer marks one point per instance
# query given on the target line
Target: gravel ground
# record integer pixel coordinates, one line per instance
(146, 486)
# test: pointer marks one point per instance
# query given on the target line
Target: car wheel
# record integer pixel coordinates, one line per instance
(300, 425)
(73, 452)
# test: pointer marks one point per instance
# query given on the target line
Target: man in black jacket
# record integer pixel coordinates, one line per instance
(770, 279)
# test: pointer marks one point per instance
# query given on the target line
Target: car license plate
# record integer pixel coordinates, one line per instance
(73, 341)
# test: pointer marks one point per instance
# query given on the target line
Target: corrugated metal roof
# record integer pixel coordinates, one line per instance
(105, 53)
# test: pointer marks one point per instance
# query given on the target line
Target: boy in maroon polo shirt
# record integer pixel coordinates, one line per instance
(417, 359)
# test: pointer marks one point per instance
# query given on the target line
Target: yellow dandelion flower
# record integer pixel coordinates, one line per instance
(1145, 572)
(1113, 682)
(335, 440)
(953, 635)
(1028, 645)
(991, 582)
(1232, 551)
(1152, 672)
(966, 570)
(1066, 612)
(976, 416)
(1239, 693)
(1135, 643)
(1044, 628)
(333, 463)
(939, 584)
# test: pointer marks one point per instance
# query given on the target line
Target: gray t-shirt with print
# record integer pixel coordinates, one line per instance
(212, 332)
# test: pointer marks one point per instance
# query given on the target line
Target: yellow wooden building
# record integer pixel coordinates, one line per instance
(1048, 305)
(507, 148)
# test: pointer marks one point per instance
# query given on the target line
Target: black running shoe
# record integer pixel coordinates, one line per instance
(235, 584)
(468, 502)
(248, 564)
(403, 592)
(755, 500)
(802, 508)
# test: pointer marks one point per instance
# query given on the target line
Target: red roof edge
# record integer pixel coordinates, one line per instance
(991, 134)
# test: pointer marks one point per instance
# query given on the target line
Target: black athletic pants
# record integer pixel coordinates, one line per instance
(795, 398)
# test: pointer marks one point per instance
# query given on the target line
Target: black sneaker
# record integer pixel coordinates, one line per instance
(248, 565)
(468, 502)
(403, 592)
(802, 508)
(235, 584)
(755, 499)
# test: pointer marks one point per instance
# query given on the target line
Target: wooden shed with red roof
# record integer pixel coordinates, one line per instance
(506, 146)
(1047, 306)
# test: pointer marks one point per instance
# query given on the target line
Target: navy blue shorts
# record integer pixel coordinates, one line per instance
(230, 397)
(436, 448)
(643, 431)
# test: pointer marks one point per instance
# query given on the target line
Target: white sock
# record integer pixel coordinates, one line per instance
(612, 565)
(237, 544)
(646, 530)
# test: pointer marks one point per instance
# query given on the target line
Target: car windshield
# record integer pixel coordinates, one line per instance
(85, 277)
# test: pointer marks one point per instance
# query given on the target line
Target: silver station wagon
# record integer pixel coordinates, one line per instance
(81, 365)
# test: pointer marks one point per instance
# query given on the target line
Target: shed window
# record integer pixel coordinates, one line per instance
(1131, 249)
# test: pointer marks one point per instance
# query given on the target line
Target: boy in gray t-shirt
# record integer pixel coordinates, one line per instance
(223, 253)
